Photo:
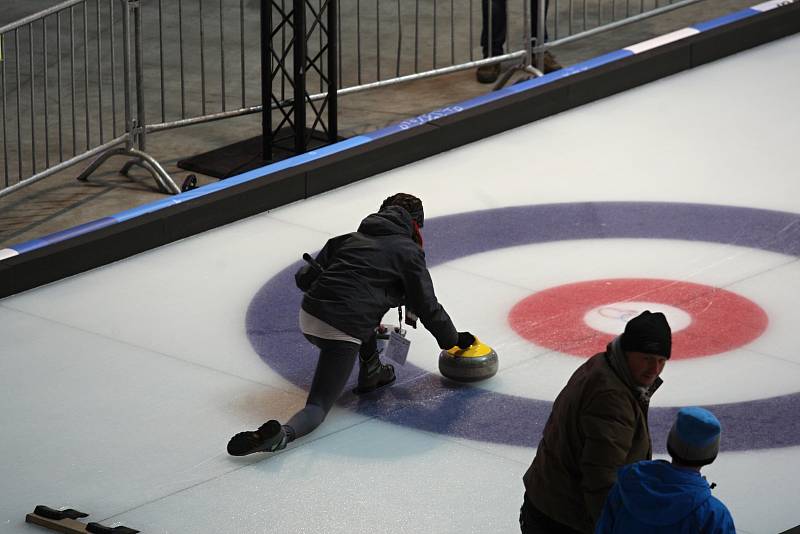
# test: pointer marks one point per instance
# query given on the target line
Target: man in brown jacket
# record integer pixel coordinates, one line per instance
(598, 424)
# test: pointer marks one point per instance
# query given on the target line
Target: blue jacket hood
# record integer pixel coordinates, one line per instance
(657, 493)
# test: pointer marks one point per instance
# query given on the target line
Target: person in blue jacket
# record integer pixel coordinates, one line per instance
(661, 497)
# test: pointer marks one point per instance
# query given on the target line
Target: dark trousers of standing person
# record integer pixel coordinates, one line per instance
(500, 24)
(532, 521)
(336, 361)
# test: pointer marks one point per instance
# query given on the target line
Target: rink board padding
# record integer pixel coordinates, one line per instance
(745, 34)
(105, 241)
(369, 159)
(145, 232)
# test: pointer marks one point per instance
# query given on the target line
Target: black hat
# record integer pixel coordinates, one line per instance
(410, 203)
(649, 333)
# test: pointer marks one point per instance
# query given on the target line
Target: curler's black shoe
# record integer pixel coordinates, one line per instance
(372, 375)
(269, 437)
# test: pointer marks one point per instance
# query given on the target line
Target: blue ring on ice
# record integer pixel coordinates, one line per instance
(426, 401)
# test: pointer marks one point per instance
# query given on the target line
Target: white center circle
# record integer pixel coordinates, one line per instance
(611, 318)
(500, 279)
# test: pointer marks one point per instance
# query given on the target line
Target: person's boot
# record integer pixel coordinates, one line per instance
(550, 63)
(269, 437)
(372, 374)
(488, 73)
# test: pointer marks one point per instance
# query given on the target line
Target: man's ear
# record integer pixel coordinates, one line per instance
(417, 235)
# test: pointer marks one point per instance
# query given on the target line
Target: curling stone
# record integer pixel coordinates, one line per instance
(477, 362)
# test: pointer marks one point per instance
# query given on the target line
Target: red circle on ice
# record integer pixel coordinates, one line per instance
(720, 320)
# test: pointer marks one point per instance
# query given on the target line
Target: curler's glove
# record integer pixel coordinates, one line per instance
(465, 340)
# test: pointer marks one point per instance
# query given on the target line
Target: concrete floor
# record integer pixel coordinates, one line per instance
(60, 201)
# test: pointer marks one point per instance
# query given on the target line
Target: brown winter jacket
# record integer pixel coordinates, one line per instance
(597, 425)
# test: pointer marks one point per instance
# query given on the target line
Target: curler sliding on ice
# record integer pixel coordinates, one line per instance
(348, 288)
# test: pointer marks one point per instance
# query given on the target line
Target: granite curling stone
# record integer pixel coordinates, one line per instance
(476, 362)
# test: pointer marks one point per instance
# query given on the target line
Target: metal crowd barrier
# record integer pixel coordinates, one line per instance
(61, 105)
(92, 78)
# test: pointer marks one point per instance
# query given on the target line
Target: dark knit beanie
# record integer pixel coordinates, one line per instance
(694, 437)
(649, 333)
(410, 203)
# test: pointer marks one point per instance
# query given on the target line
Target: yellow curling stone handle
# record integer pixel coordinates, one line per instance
(476, 350)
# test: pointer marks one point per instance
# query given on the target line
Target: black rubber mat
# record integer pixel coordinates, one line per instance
(246, 155)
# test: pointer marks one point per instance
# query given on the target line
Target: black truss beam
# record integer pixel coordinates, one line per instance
(290, 63)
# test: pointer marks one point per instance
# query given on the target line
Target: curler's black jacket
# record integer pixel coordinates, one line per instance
(368, 272)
